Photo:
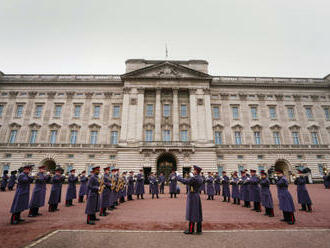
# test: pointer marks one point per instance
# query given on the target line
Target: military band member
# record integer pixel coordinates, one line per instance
(161, 183)
(203, 184)
(225, 187)
(39, 192)
(235, 188)
(285, 198)
(210, 186)
(254, 191)
(194, 212)
(173, 183)
(123, 191)
(116, 192)
(244, 189)
(22, 195)
(154, 185)
(93, 199)
(217, 182)
(130, 186)
(139, 185)
(266, 195)
(83, 186)
(4, 181)
(302, 193)
(114, 180)
(105, 192)
(12, 180)
(55, 192)
(327, 181)
(71, 192)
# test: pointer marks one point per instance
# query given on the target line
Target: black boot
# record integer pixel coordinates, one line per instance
(171, 195)
(212, 197)
(152, 197)
(138, 196)
(228, 200)
(271, 212)
(208, 197)
(32, 212)
(90, 220)
(94, 217)
(67, 203)
(238, 201)
(157, 196)
(13, 219)
(199, 228)
(291, 218)
(303, 207)
(258, 207)
(224, 199)
(50, 208)
(309, 208)
(191, 228)
(19, 217)
(174, 195)
(142, 196)
(55, 207)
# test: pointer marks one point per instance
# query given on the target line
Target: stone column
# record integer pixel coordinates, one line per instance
(124, 116)
(176, 136)
(193, 114)
(158, 116)
(140, 115)
(208, 116)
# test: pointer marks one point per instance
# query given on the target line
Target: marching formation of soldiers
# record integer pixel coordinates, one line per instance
(105, 192)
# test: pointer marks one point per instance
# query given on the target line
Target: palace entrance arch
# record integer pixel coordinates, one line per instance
(166, 162)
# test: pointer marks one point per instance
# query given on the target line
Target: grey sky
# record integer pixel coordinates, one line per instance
(237, 37)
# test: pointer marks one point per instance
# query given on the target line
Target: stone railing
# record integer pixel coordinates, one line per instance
(272, 146)
(166, 143)
(268, 79)
(49, 77)
(59, 145)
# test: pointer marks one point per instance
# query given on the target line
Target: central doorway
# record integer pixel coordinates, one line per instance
(283, 165)
(166, 162)
(50, 165)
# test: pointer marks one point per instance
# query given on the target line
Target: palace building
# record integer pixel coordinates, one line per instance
(164, 114)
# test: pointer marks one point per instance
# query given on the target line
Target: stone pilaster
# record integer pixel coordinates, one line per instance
(158, 116)
(140, 115)
(176, 136)
(124, 117)
(193, 115)
(208, 115)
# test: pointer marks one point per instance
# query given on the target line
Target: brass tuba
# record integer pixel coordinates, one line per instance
(113, 183)
(120, 184)
(101, 185)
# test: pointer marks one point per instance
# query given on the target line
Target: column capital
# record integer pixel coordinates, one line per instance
(140, 90)
(158, 90)
(192, 91)
(175, 90)
(126, 90)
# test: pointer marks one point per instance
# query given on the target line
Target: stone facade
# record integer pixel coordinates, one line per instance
(158, 109)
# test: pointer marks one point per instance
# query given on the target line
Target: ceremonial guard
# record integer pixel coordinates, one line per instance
(302, 193)
(12, 180)
(173, 183)
(235, 188)
(194, 212)
(71, 192)
(154, 185)
(327, 181)
(4, 181)
(130, 186)
(161, 183)
(114, 180)
(225, 187)
(210, 187)
(217, 182)
(244, 189)
(39, 192)
(254, 191)
(56, 190)
(116, 191)
(83, 186)
(203, 184)
(265, 195)
(285, 198)
(123, 190)
(93, 199)
(139, 185)
(22, 195)
(105, 191)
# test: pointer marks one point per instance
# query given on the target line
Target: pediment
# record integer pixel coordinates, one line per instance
(166, 70)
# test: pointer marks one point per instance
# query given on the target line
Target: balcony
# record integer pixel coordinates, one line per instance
(167, 143)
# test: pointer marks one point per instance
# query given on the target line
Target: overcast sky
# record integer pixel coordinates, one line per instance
(236, 37)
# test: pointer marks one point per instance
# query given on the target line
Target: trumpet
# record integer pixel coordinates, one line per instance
(113, 183)
(102, 185)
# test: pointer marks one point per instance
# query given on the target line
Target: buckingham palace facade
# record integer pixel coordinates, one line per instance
(165, 113)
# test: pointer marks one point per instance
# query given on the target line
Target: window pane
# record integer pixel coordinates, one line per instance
(1, 110)
(184, 135)
(77, 110)
(116, 111)
(183, 110)
(216, 113)
(38, 111)
(73, 137)
(33, 136)
(315, 138)
(295, 137)
(148, 135)
(272, 112)
(309, 113)
(238, 139)
(114, 137)
(19, 111)
(96, 111)
(291, 113)
(166, 110)
(93, 138)
(254, 113)
(276, 136)
(12, 137)
(235, 112)
(167, 135)
(257, 138)
(53, 135)
(58, 110)
(326, 113)
(150, 110)
(218, 138)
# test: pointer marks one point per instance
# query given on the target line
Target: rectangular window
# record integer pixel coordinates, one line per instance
(216, 112)
(19, 111)
(53, 134)
(254, 114)
(295, 138)
(184, 135)
(220, 170)
(77, 109)
(257, 138)
(73, 137)
(69, 168)
(315, 138)
(272, 112)
(276, 137)
(166, 110)
(33, 136)
(260, 168)
(166, 135)
(12, 137)
(326, 113)
(238, 138)
(291, 114)
(240, 168)
(150, 110)
(1, 110)
(93, 137)
(235, 113)
(114, 138)
(58, 110)
(38, 111)
(309, 113)
(96, 113)
(183, 111)
(116, 111)
(320, 166)
(148, 136)
(218, 138)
